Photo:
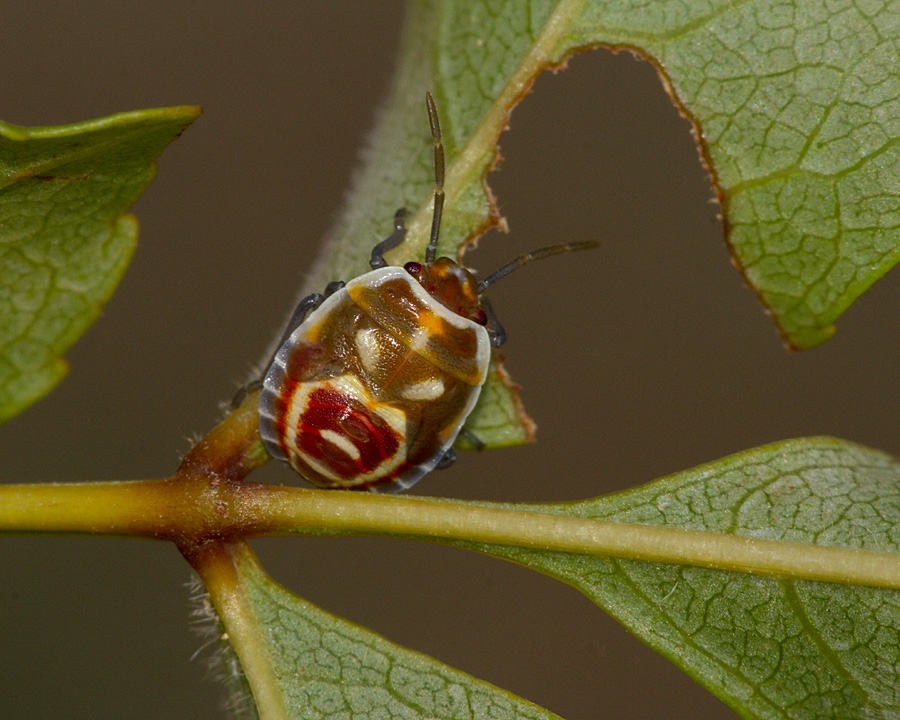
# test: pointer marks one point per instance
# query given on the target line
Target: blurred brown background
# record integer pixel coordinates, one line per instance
(646, 357)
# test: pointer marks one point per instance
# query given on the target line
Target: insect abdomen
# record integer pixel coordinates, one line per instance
(362, 396)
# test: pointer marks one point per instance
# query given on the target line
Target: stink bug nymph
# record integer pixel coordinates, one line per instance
(373, 381)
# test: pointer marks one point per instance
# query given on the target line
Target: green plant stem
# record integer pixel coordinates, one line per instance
(217, 566)
(193, 506)
(114, 508)
(192, 512)
(206, 504)
(185, 510)
(297, 511)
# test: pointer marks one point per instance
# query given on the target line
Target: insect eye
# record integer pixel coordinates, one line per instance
(480, 317)
(413, 268)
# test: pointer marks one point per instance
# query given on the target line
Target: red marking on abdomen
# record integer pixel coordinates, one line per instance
(329, 409)
(303, 358)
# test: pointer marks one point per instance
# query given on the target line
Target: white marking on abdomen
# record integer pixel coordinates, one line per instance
(419, 339)
(340, 441)
(367, 346)
(352, 388)
(425, 390)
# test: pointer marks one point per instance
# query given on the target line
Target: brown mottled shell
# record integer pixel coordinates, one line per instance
(372, 389)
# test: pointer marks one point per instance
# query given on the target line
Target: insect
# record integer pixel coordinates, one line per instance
(373, 381)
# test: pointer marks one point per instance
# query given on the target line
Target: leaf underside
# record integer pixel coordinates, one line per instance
(795, 107)
(64, 240)
(769, 648)
(331, 668)
(795, 104)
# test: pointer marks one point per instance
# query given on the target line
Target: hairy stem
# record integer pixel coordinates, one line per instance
(217, 566)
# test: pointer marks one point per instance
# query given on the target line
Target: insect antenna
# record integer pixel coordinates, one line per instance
(539, 254)
(431, 250)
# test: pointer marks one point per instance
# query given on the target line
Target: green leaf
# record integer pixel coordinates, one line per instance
(771, 577)
(498, 420)
(64, 240)
(795, 105)
(769, 647)
(326, 667)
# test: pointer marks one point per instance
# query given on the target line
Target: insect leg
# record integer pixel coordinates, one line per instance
(332, 287)
(495, 329)
(390, 242)
(244, 392)
(447, 460)
(304, 308)
(472, 439)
